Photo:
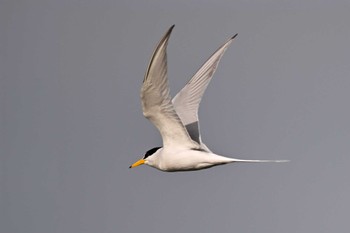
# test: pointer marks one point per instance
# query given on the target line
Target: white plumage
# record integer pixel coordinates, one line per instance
(177, 118)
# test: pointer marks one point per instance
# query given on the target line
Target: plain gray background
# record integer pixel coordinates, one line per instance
(71, 120)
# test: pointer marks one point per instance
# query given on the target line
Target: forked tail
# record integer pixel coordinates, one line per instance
(259, 161)
(219, 159)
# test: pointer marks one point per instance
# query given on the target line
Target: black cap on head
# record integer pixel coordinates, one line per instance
(151, 152)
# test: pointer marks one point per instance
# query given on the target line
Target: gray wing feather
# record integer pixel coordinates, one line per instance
(187, 101)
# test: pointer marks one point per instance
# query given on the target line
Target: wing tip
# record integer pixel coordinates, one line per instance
(228, 42)
(161, 43)
(169, 31)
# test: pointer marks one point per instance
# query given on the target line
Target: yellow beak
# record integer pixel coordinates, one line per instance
(138, 163)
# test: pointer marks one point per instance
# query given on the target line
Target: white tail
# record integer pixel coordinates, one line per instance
(259, 161)
(218, 159)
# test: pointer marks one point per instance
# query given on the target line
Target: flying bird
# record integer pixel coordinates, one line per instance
(177, 118)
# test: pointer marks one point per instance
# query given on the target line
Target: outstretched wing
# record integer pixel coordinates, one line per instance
(156, 100)
(187, 101)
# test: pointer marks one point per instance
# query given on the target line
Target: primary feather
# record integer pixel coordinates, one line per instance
(187, 101)
(156, 100)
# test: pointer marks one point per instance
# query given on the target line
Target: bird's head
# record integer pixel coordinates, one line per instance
(148, 158)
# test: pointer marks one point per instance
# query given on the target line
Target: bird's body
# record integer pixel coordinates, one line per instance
(176, 159)
(177, 118)
(169, 159)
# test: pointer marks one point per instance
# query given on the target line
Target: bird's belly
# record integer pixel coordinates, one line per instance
(186, 161)
(186, 167)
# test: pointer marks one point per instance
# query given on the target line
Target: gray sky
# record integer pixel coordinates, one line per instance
(71, 120)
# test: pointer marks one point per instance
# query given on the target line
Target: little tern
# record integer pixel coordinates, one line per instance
(177, 118)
